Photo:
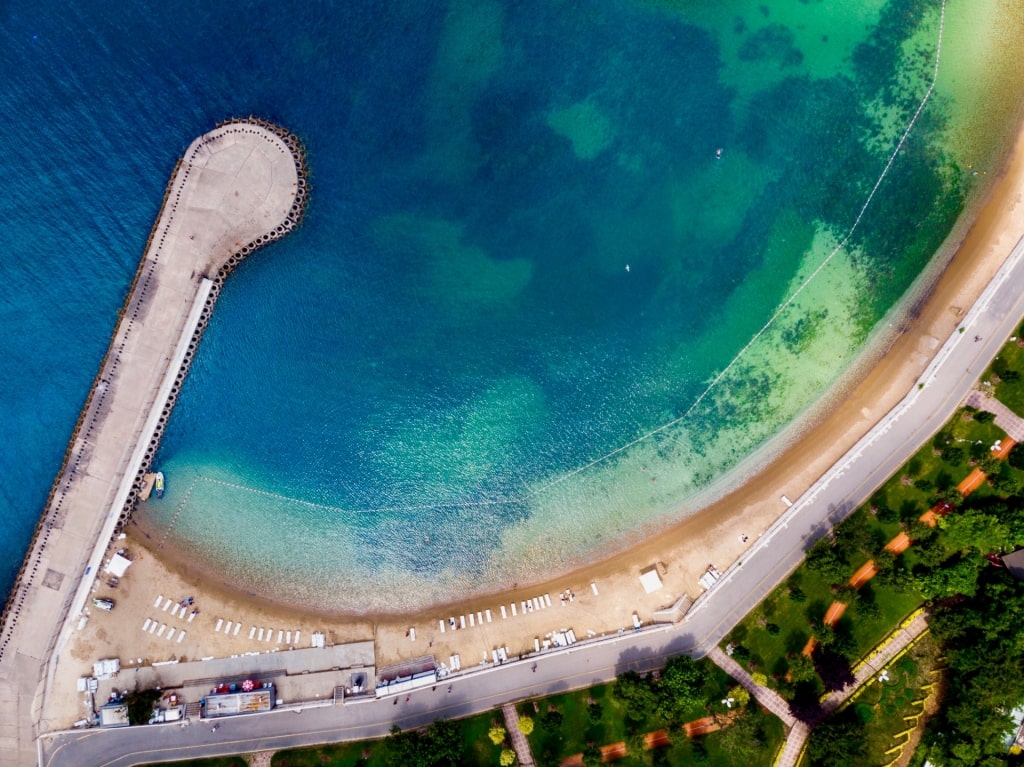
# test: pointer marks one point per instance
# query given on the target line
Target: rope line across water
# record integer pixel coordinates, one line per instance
(700, 398)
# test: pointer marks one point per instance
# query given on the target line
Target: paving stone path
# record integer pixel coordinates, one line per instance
(799, 732)
(1006, 419)
(519, 741)
(770, 699)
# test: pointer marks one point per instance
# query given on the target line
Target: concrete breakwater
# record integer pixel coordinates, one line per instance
(237, 188)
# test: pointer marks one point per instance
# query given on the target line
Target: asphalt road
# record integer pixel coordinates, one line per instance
(958, 364)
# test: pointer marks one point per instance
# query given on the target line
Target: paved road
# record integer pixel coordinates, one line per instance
(943, 385)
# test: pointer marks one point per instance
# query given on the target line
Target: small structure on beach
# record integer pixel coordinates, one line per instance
(650, 579)
(118, 565)
(114, 714)
(248, 698)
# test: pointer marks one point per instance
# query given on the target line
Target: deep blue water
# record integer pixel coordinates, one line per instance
(454, 327)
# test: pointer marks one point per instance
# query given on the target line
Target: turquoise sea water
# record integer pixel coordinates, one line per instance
(487, 352)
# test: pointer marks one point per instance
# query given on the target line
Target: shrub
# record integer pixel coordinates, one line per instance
(525, 725)
(507, 758)
(497, 734)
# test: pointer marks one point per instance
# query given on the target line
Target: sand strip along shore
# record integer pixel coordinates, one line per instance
(236, 188)
(606, 594)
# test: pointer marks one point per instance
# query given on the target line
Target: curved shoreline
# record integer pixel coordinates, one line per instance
(788, 464)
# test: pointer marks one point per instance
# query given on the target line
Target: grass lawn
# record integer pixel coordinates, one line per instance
(551, 742)
(882, 706)
(477, 749)
(734, 745)
(224, 761)
(778, 628)
(1010, 388)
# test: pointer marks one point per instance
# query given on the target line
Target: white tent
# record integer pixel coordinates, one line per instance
(650, 580)
(118, 565)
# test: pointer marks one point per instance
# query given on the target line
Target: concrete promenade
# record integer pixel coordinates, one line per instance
(236, 188)
(944, 384)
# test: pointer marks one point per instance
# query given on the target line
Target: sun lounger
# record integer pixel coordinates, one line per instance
(503, 654)
(220, 622)
(462, 621)
(287, 637)
(261, 635)
(280, 636)
(513, 606)
(412, 633)
(547, 600)
(174, 610)
(152, 629)
(488, 614)
(441, 624)
(593, 587)
(472, 621)
(503, 613)
(571, 636)
(494, 656)
(479, 619)
(167, 605)
(536, 644)
(227, 628)
(160, 631)
(146, 625)
(181, 636)
(192, 616)
(237, 626)
(297, 637)
(159, 599)
(522, 606)
(170, 634)
(252, 632)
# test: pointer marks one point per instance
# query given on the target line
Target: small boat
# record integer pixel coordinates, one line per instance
(718, 154)
(158, 485)
(104, 604)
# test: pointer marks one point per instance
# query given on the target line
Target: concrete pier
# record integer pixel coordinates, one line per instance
(236, 189)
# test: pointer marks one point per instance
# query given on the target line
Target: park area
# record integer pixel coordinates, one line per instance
(636, 721)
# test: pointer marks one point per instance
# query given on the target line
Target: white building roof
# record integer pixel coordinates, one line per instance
(118, 565)
(650, 580)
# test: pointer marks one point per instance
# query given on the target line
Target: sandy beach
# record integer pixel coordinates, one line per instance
(605, 594)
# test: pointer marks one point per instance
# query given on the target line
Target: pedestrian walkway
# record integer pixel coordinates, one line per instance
(1006, 419)
(519, 741)
(900, 639)
(770, 699)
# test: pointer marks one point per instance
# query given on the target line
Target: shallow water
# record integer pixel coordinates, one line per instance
(522, 256)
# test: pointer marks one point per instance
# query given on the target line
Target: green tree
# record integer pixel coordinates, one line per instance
(680, 687)
(740, 696)
(744, 740)
(840, 741)
(525, 725)
(822, 558)
(592, 756)
(638, 694)
(140, 705)
(984, 416)
(1016, 456)
(551, 721)
(974, 530)
(957, 576)
(439, 745)
(801, 668)
(497, 734)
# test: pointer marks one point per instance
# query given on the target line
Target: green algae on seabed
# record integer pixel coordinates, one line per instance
(800, 160)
